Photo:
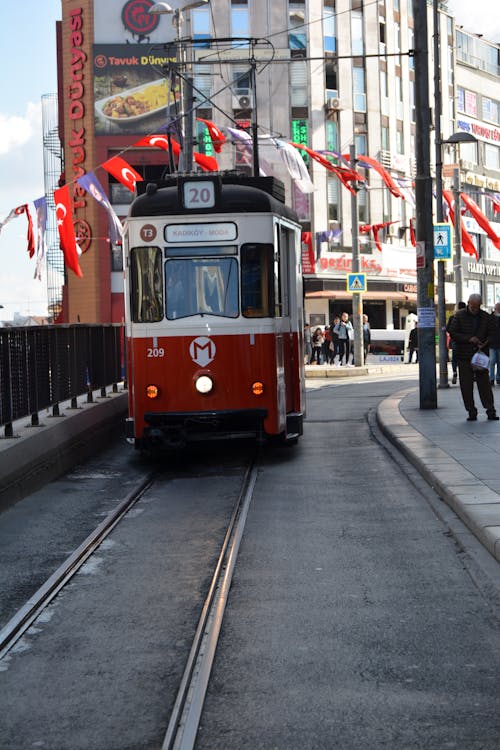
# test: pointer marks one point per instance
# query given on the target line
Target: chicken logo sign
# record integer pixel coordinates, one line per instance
(202, 351)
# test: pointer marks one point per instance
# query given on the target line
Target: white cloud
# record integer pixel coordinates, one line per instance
(478, 17)
(17, 131)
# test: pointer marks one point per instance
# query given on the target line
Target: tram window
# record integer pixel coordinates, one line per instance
(146, 284)
(182, 252)
(207, 286)
(257, 281)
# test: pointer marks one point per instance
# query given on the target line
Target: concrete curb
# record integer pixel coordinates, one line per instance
(39, 454)
(476, 504)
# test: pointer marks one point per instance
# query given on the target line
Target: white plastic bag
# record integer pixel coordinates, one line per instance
(480, 361)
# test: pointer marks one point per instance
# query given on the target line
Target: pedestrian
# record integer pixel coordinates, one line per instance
(334, 340)
(495, 346)
(472, 329)
(342, 330)
(454, 365)
(326, 345)
(317, 344)
(367, 336)
(307, 342)
(413, 344)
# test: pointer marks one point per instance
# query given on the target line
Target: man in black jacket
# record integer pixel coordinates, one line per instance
(471, 330)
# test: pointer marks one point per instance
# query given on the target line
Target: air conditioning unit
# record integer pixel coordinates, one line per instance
(243, 99)
(332, 104)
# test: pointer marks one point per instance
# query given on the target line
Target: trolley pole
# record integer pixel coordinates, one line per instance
(424, 229)
(357, 307)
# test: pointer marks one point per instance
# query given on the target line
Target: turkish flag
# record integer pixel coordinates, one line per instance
(467, 243)
(481, 219)
(67, 239)
(123, 172)
(154, 141)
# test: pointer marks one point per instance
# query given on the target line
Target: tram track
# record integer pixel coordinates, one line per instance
(28, 613)
(185, 698)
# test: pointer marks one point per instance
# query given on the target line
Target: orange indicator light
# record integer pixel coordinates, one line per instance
(152, 391)
(258, 388)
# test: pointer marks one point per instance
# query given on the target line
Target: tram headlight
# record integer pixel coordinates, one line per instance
(258, 388)
(152, 391)
(204, 384)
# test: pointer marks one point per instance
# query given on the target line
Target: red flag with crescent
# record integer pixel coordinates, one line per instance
(67, 239)
(481, 219)
(123, 172)
(207, 163)
(467, 242)
(386, 177)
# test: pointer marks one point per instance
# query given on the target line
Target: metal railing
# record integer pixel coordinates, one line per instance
(42, 366)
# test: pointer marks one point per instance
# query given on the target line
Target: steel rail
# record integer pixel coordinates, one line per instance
(186, 713)
(28, 613)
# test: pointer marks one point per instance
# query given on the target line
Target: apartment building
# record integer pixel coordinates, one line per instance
(329, 75)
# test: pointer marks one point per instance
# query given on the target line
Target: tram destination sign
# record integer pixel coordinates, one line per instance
(210, 232)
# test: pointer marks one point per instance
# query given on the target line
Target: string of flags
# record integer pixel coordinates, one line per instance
(286, 151)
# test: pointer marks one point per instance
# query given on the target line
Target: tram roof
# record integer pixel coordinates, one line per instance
(238, 194)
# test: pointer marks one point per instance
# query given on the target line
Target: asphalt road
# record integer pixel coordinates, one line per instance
(353, 620)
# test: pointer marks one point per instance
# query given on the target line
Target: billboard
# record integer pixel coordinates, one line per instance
(132, 90)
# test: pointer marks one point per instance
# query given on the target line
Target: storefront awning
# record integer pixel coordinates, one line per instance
(340, 294)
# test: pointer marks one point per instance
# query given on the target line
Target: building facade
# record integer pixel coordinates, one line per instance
(329, 75)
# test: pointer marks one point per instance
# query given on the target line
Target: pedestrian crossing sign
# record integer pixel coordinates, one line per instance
(356, 282)
(442, 241)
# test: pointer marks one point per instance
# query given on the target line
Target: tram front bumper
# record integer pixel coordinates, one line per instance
(177, 428)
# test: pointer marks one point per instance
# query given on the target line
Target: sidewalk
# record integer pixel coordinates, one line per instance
(460, 459)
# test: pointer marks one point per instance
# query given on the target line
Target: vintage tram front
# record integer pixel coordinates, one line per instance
(214, 311)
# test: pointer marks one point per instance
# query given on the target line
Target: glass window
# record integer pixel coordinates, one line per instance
(460, 99)
(357, 47)
(200, 22)
(329, 38)
(491, 156)
(298, 83)
(146, 284)
(359, 90)
(297, 38)
(201, 286)
(471, 103)
(384, 137)
(333, 199)
(257, 281)
(240, 23)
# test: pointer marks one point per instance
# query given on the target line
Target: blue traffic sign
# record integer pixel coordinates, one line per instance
(356, 282)
(442, 241)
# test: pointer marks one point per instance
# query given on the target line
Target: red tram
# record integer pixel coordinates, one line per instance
(214, 311)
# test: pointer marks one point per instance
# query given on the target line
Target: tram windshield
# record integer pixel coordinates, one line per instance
(201, 286)
(146, 284)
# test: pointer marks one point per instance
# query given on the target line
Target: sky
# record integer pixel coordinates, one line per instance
(28, 65)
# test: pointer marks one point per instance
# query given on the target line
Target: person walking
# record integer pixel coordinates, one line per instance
(307, 343)
(342, 331)
(413, 344)
(367, 336)
(495, 346)
(472, 329)
(334, 340)
(454, 365)
(317, 344)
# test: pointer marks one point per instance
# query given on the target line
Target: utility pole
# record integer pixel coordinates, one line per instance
(443, 350)
(357, 307)
(424, 229)
(458, 236)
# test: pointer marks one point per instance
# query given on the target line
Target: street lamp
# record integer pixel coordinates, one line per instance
(456, 139)
(186, 91)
